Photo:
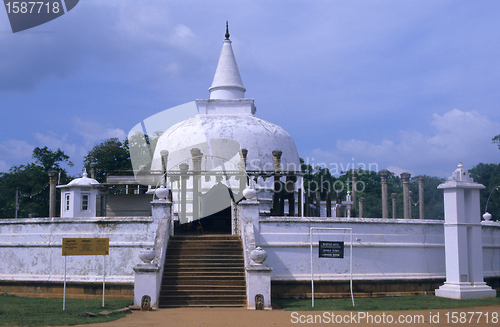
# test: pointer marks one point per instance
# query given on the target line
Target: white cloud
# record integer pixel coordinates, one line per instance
(16, 150)
(54, 141)
(4, 167)
(93, 132)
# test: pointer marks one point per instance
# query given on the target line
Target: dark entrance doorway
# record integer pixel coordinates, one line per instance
(215, 213)
(217, 223)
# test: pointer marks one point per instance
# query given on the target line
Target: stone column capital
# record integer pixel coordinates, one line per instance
(405, 177)
(52, 175)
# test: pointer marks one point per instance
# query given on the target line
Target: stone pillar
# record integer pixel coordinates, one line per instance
(307, 205)
(184, 177)
(394, 199)
(354, 189)
(361, 203)
(300, 204)
(318, 202)
(148, 274)
(410, 203)
(328, 203)
(258, 275)
(384, 173)
(243, 168)
(196, 157)
(275, 210)
(463, 239)
(420, 179)
(53, 174)
(277, 160)
(338, 204)
(406, 196)
(164, 163)
(290, 192)
(93, 170)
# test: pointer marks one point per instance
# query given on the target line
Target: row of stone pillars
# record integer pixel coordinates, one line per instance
(407, 200)
(384, 174)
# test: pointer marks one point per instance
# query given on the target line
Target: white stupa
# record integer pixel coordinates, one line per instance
(226, 123)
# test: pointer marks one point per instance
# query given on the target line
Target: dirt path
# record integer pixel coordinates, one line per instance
(239, 317)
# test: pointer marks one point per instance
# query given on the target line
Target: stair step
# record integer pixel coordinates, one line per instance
(204, 279)
(198, 282)
(202, 288)
(205, 271)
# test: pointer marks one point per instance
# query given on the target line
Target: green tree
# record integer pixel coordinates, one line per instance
(489, 176)
(433, 198)
(50, 160)
(110, 155)
(369, 188)
(32, 184)
(317, 179)
(496, 139)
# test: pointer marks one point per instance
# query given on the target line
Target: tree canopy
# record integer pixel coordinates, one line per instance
(110, 155)
(32, 184)
(489, 176)
(369, 188)
(496, 140)
(50, 160)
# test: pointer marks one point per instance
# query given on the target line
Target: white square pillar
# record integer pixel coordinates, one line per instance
(258, 284)
(146, 283)
(463, 239)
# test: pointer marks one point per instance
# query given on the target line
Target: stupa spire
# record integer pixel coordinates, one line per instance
(227, 82)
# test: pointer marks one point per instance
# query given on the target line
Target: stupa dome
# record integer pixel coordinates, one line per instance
(222, 136)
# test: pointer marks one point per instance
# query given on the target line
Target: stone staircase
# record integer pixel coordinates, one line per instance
(204, 271)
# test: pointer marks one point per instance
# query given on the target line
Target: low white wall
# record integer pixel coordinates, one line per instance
(382, 248)
(30, 249)
(491, 249)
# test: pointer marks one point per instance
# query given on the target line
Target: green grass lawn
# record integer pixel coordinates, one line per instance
(421, 302)
(26, 311)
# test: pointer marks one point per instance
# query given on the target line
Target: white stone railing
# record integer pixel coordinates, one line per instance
(257, 275)
(148, 275)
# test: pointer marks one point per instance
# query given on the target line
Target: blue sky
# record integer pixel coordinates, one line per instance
(405, 85)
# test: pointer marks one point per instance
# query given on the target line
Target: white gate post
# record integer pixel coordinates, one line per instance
(463, 239)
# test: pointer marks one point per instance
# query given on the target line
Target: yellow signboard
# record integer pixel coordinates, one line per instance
(85, 246)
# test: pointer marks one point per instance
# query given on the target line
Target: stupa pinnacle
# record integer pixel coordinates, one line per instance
(227, 84)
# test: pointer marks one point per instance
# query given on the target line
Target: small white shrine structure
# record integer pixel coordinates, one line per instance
(81, 198)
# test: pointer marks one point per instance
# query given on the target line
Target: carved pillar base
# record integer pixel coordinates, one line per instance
(146, 283)
(258, 284)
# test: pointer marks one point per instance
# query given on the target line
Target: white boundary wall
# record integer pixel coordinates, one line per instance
(30, 249)
(382, 248)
